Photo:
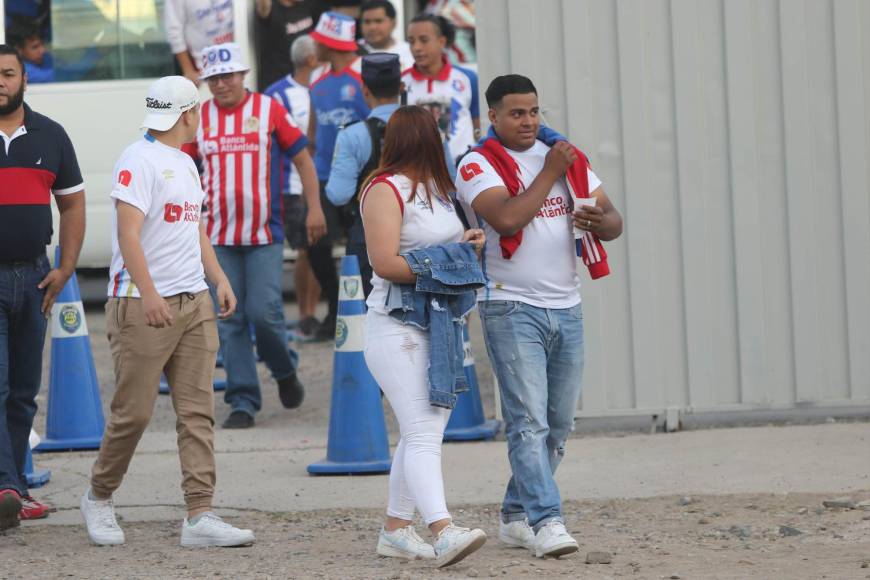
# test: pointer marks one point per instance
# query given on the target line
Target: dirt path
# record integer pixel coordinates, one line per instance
(709, 537)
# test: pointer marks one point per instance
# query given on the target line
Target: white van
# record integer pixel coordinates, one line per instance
(106, 54)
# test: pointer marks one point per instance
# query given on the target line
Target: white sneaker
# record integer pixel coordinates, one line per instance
(455, 543)
(404, 543)
(100, 521)
(210, 530)
(553, 540)
(517, 534)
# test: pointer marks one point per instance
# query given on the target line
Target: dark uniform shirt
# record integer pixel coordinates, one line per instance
(37, 160)
(278, 31)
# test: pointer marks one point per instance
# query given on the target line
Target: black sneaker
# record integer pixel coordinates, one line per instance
(291, 391)
(238, 420)
(326, 331)
(307, 328)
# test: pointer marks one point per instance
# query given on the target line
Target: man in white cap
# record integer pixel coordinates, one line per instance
(160, 317)
(244, 221)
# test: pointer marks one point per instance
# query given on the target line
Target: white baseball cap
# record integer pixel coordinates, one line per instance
(221, 59)
(167, 99)
(337, 31)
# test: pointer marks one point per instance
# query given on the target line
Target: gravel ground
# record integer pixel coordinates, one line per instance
(708, 537)
(703, 537)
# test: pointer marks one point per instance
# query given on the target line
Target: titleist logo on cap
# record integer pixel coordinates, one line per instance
(152, 103)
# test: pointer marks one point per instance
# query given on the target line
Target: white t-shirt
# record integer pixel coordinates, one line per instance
(162, 182)
(401, 48)
(542, 272)
(193, 25)
(423, 225)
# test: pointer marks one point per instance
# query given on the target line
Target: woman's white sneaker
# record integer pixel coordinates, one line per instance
(553, 540)
(210, 530)
(103, 528)
(404, 543)
(455, 543)
(517, 534)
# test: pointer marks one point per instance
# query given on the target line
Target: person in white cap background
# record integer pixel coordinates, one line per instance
(336, 101)
(192, 25)
(244, 221)
(160, 317)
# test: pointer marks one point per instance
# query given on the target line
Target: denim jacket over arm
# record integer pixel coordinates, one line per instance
(447, 277)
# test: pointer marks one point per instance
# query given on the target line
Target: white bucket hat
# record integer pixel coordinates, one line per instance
(337, 31)
(221, 59)
(167, 99)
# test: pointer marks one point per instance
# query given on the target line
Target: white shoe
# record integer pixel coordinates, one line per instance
(455, 543)
(210, 530)
(404, 543)
(517, 534)
(553, 540)
(100, 521)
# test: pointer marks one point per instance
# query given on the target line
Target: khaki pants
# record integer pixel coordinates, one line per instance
(186, 353)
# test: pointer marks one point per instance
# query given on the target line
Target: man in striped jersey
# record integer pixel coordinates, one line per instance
(244, 222)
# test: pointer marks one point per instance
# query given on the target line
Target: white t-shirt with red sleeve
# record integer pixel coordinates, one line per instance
(161, 182)
(235, 147)
(542, 272)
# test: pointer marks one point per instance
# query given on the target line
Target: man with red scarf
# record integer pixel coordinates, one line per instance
(538, 198)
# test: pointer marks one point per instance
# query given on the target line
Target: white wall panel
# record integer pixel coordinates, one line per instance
(734, 135)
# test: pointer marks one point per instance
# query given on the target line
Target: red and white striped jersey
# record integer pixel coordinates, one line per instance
(234, 146)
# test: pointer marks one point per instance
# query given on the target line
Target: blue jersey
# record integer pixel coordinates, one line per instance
(336, 101)
(294, 97)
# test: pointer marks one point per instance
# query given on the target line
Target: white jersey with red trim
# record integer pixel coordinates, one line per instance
(424, 224)
(234, 145)
(452, 97)
(162, 183)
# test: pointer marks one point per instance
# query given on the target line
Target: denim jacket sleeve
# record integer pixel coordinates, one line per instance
(447, 277)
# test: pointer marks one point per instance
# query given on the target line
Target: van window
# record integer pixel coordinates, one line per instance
(84, 40)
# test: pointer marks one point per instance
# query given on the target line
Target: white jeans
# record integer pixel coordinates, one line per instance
(398, 358)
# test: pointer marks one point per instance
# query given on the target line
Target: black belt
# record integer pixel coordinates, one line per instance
(19, 263)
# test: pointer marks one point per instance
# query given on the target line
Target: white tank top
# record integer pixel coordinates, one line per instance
(423, 225)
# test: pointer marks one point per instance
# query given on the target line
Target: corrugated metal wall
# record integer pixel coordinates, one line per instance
(734, 135)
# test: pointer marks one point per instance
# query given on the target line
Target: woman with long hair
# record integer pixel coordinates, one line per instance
(406, 206)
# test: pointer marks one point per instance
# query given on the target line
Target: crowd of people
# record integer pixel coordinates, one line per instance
(173, 33)
(339, 147)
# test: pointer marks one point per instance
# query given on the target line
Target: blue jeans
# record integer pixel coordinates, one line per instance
(256, 275)
(22, 337)
(537, 356)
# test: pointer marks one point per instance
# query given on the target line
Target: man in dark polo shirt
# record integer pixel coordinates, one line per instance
(36, 160)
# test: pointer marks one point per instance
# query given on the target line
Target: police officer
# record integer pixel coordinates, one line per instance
(358, 149)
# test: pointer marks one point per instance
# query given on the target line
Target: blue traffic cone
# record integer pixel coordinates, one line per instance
(467, 422)
(35, 477)
(357, 435)
(75, 414)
